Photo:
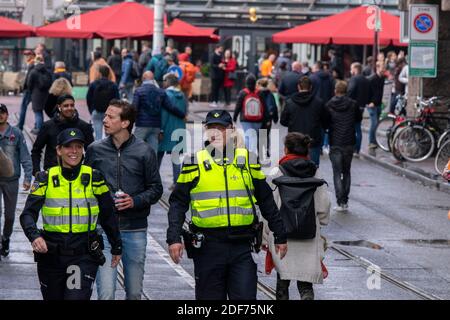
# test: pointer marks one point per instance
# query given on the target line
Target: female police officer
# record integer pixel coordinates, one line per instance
(72, 197)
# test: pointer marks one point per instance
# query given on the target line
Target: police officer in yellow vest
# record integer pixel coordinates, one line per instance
(221, 185)
(72, 198)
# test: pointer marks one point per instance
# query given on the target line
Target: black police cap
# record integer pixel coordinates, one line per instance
(68, 135)
(218, 117)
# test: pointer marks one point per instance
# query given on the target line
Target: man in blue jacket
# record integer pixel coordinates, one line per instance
(14, 146)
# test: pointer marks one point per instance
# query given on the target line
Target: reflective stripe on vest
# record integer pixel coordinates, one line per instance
(68, 201)
(209, 207)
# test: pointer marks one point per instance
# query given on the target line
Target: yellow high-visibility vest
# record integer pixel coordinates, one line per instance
(220, 198)
(66, 203)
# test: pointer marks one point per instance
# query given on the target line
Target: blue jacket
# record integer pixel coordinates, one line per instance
(14, 145)
(146, 99)
(170, 123)
(127, 64)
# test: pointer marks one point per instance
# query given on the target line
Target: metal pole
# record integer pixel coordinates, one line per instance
(158, 26)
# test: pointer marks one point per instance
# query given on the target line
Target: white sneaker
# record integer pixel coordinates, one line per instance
(339, 208)
(345, 206)
(213, 104)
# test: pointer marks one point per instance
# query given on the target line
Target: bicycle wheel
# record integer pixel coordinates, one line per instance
(442, 157)
(415, 143)
(393, 141)
(383, 131)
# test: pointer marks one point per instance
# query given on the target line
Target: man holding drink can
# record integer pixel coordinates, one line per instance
(130, 168)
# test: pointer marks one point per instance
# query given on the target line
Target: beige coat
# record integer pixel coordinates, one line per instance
(302, 261)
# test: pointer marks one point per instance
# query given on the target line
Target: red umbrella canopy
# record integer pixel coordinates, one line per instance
(13, 29)
(122, 20)
(184, 31)
(348, 27)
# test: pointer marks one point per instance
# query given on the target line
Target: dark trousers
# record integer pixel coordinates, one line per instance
(224, 269)
(227, 93)
(216, 85)
(282, 290)
(59, 281)
(341, 161)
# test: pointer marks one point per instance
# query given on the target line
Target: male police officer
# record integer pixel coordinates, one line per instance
(72, 197)
(222, 184)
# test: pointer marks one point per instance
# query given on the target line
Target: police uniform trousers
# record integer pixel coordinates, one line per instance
(224, 269)
(64, 277)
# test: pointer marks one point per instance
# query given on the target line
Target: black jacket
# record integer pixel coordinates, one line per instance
(217, 73)
(115, 62)
(306, 114)
(47, 138)
(343, 113)
(376, 89)
(99, 100)
(35, 84)
(64, 74)
(289, 83)
(180, 202)
(359, 90)
(106, 217)
(133, 168)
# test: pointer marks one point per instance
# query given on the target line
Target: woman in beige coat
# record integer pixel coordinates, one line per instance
(302, 262)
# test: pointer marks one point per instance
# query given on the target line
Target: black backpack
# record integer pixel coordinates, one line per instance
(297, 205)
(102, 95)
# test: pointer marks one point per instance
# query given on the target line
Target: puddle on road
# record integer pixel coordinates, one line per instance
(428, 242)
(359, 243)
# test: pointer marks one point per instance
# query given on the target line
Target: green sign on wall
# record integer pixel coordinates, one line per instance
(423, 59)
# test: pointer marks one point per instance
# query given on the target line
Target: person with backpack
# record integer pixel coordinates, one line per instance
(252, 108)
(304, 207)
(39, 82)
(99, 94)
(149, 100)
(158, 65)
(144, 57)
(189, 71)
(115, 62)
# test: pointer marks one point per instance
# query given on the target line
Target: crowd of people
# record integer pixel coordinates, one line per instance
(136, 102)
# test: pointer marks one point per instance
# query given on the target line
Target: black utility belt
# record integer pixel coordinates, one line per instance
(57, 249)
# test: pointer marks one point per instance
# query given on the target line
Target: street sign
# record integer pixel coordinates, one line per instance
(423, 22)
(422, 59)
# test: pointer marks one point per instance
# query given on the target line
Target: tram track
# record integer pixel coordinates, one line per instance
(271, 292)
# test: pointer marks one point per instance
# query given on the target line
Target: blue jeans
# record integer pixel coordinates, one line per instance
(134, 245)
(314, 154)
(374, 114)
(97, 121)
(251, 132)
(23, 108)
(38, 119)
(358, 134)
(149, 135)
